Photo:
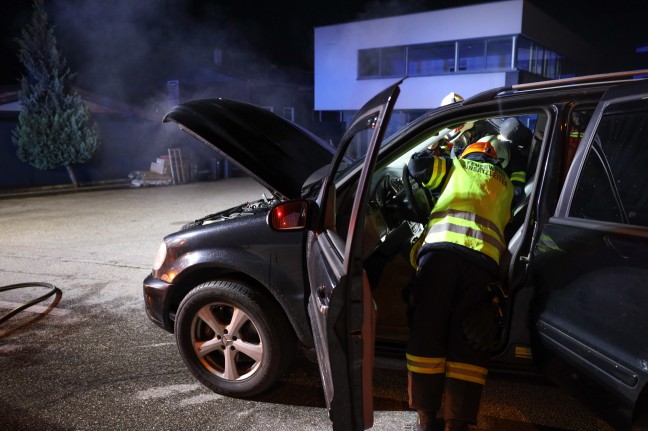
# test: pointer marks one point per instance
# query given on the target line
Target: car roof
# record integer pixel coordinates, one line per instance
(579, 83)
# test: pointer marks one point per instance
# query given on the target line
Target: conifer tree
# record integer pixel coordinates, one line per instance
(54, 127)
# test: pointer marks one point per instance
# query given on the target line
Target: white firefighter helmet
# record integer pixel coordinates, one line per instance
(451, 98)
(503, 151)
(461, 131)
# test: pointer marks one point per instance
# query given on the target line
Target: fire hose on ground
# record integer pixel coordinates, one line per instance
(52, 290)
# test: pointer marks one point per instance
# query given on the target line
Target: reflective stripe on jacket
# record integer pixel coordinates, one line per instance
(473, 208)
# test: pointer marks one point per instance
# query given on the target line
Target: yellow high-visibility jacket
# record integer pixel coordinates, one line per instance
(474, 205)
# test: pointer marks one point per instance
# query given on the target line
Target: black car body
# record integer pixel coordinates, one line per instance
(308, 264)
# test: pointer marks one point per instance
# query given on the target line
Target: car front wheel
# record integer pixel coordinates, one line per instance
(232, 338)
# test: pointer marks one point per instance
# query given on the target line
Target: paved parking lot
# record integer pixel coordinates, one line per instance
(91, 360)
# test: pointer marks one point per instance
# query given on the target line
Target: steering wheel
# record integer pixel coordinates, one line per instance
(418, 199)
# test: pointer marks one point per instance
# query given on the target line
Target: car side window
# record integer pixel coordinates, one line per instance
(578, 120)
(595, 197)
(613, 183)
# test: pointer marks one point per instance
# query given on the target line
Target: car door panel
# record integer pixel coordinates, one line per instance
(327, 276)
(340, 306)
(593, 318)
(590, 269)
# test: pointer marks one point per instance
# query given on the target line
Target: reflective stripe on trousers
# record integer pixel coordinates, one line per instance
(454, 370)
(467, 372)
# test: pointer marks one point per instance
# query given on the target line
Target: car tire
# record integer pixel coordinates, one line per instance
(232, 338)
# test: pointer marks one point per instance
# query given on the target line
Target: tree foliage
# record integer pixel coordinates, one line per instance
(54, 127)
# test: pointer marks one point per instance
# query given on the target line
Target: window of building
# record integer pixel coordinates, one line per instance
(392, 62)
(613, 182)
(499, 53)
(369, 63)
(535, 58)
(551, 64)
(474, 56)
(330, 116)
(430, 59)
(288, 113)
(524, 54)
(382, 62)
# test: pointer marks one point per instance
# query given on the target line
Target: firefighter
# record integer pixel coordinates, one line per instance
(577, 126)
(510, 155)
(456, 258)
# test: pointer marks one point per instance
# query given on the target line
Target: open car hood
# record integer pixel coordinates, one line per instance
(277, 153)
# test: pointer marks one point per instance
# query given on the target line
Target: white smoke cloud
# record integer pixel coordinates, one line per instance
(128, 49)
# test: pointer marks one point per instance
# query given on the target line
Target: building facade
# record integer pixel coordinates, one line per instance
(466, 49)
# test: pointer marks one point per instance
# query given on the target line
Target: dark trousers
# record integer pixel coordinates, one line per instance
(442, 368)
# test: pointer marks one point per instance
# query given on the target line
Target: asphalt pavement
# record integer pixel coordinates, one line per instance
(89, 358)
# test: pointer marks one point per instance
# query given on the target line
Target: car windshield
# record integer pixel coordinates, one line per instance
(450, 137)
(356, 151)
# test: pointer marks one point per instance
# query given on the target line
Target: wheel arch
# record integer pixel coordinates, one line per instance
(187, 281)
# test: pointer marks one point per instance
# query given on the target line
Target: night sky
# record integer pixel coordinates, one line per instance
(122, 47)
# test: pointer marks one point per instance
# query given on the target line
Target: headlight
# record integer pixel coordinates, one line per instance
(160, 256)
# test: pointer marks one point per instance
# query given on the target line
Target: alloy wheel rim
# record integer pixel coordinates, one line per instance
(226, 341)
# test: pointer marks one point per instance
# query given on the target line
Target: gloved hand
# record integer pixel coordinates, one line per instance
(482, 328)
(420, 165)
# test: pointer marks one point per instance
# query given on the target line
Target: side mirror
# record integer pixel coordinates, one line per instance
(289, 215)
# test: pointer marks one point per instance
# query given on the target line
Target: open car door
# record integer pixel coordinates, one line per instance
(590, 265)
(341, 308)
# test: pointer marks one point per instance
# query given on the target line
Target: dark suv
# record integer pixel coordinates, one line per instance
(322, 265)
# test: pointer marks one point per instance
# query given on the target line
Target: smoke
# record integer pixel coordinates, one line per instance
(128, 50)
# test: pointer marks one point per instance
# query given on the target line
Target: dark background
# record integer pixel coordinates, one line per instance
(128, 49)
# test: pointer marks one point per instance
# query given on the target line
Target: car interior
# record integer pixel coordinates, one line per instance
(394, 221)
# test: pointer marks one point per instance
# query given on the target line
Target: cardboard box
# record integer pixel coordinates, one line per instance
(159, 168)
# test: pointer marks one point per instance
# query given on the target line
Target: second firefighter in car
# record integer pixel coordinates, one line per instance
(456, 258)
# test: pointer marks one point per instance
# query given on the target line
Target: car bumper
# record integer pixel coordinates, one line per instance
(155, 302)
